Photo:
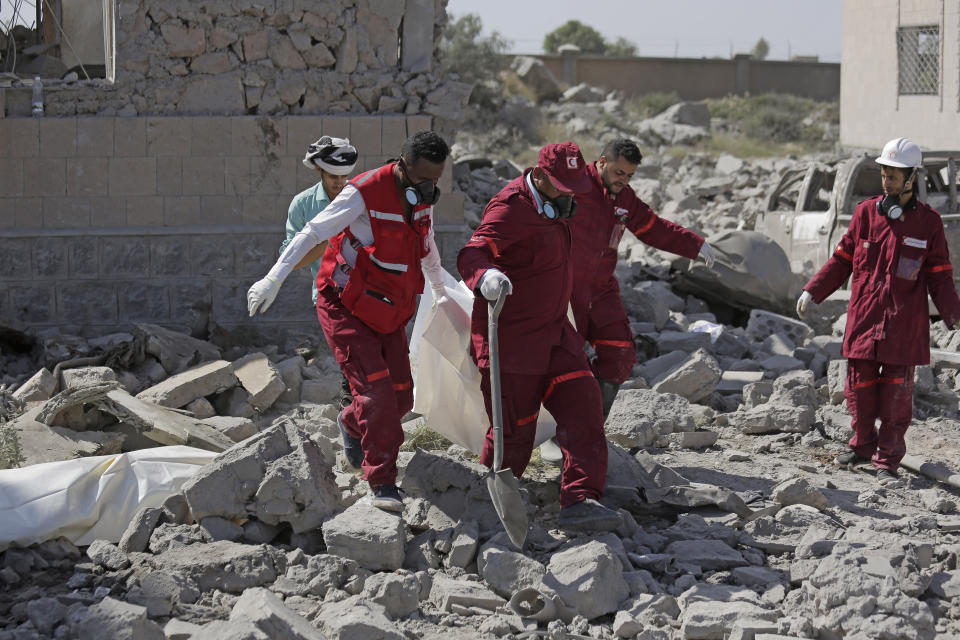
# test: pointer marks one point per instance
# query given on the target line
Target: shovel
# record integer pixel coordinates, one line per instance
(501, 483)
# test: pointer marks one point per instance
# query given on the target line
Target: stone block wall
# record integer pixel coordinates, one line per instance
(106, 221)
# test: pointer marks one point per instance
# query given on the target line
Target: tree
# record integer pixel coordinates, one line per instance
(761, 49)
(575, 32)
(474, 59)
(621, 47)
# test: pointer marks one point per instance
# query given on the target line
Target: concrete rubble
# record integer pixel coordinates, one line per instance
(735, 521)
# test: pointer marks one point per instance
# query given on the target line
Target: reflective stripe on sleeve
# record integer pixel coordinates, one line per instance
(843, 254)
(379, 375)
(492, 245)
(646, 227)
(623, 344)
(390, 266)
(421, 213)
(939, 268)
(528, 419)
(392, 217)
(403, 386)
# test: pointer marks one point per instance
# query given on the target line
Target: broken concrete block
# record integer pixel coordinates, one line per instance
(634, 615)
(655, 369)
(137, 534)
(218, 528)
(201, 409)
(686, 341)
(41, 386)
(778, 344)
(260, 378)
(737, 381)
(799, 491)
(463, 546)
(42, 443)
(112, 618)
(236, 428)
(372, 537)
(397, 593)
(639, 416)
(107, 555)
(752, 421)
(694, 379)
(535, 75)
(268, 613)
(765, 323)
(279, 475)
(356, 618)
(86, 377)
(694, 439)
(160, 591)
(224, 565)
(202, 380)
(780, 364)
(177, 629)
(290, 372)
(320, 391)
(421, 554)
(176, 351)
(234, 402)
(508, 571)
(756, 393)
(447, 592)
(707, 554)
(588, 578)
(714, 620)
(757, 576)
(837, 379)
(161, 424)
(45, 614)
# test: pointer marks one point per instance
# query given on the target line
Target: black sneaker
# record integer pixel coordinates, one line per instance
(588, 515)
(849, 458)
(387, 497)
(885, 475)
(346, 394)
(351, 446)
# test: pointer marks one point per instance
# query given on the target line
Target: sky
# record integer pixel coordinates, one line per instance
(668, 28)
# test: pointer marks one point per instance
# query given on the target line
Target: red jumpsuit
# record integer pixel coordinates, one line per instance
(541, 356)
(597, 309)
(894, 264)
(364, 320)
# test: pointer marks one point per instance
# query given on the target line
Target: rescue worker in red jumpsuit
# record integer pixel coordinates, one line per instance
(609, 207)
(523, 243)
(381, 244)
(895, 252)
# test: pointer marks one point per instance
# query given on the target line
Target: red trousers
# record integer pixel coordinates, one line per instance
(602, 321)
(377, 365)
(570, 392)
(877, 390)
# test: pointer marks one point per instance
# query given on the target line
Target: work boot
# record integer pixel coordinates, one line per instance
(351, 446)
(608, 393)
(850, 458)
(346, 394)
(885, 476)
(387, 497)
(588, 515)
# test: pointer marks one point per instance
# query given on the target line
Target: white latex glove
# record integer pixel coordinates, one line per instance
(439, 294)
(491, 282)
(708, 254)
(802, 303)
(262, 294)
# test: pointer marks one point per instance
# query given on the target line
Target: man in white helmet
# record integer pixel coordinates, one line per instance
(896, 253)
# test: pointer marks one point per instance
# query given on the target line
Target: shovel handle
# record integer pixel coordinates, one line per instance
(496, 402)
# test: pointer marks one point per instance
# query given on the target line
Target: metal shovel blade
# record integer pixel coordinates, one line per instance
(501, 483)
(505, 494)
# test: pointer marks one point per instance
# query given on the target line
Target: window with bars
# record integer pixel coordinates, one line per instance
(918, 52)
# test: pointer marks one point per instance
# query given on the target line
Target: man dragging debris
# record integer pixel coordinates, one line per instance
(333, 159)
(380, 245)
(523, 244)
(896, 251)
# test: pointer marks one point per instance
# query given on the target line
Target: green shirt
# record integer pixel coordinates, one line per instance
(304, 206)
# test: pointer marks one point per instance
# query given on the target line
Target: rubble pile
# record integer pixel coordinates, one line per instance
(735, 522)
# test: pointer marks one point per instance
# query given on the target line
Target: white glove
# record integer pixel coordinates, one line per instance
(708, 254)
(802, 303)
(262, 294)
(439, 293)
(491, 283)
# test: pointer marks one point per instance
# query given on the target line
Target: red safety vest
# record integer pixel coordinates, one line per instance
(383, 285)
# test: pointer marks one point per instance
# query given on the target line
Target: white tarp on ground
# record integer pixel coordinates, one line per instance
(90, 498)
(446, 381)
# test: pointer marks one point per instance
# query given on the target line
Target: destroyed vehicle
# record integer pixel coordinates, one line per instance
(811, 207)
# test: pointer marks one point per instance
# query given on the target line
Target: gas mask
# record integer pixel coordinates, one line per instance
(421, 193)
(890, 207)
(559, 207)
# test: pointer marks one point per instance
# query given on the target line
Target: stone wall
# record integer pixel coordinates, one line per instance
(273, 57)
(108, 220)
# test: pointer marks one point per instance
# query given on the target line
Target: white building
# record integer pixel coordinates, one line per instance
(900, 73)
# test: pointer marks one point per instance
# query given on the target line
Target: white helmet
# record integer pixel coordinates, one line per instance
(333, 155)
(901, 152)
